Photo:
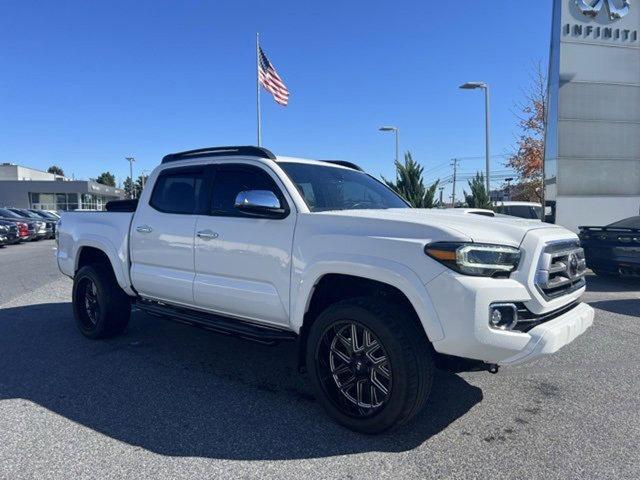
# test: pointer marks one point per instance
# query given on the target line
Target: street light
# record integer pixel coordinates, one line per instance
(396, 130)
(485, 87)
(508, 180)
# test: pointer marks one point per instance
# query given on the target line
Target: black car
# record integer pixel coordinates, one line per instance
(613, 249)
(10, 232)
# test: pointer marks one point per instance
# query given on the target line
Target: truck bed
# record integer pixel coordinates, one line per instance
(107, 231)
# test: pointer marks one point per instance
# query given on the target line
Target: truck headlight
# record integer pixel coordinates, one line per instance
(479, 259)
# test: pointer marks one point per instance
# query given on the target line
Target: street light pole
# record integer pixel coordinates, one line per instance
(395, 130)
(131, 160)
(487, 129)
(487, 122)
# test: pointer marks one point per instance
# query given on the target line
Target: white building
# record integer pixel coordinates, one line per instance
(592, 147)
(24, 187)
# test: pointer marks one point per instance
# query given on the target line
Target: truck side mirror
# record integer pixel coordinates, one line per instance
(260, 203)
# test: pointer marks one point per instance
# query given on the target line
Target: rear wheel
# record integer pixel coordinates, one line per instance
(369, 363)
(101, 308)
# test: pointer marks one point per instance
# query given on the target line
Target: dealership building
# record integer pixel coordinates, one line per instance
(24, 187)
(592, 144)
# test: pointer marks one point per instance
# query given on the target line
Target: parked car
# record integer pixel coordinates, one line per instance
(24, 233)
(271, 249)
(530, 210)
(45, 227)
(32, 226)
(613, 249)
(52, 220)
(11, 232)
(4, 230)
(52, 212)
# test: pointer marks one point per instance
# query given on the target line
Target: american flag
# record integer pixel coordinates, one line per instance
(270, 79)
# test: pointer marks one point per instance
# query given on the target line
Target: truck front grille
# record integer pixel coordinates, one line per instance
(561, 269)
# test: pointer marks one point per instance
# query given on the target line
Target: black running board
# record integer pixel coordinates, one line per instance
(218, 323)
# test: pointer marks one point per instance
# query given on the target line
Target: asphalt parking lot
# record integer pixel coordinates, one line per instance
(170, 401)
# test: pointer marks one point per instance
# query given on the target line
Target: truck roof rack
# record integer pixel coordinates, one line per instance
(247, 150)
(344, 163)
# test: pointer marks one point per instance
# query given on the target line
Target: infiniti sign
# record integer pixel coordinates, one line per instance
(592, 9)
(617, 10)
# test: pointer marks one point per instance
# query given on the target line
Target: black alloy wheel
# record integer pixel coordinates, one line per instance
(354, 368)
(90, 304)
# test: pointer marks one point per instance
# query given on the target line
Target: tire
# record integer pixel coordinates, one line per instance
(100, 307)
(394, 335)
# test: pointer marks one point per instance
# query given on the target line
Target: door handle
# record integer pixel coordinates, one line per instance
(207, 235)
(144, 229)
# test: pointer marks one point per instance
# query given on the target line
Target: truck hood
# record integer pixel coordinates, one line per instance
(498, 229)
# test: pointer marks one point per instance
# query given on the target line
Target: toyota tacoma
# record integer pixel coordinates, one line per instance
(375, 293)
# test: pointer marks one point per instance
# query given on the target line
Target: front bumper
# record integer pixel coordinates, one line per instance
(462, 304)
(551, 336)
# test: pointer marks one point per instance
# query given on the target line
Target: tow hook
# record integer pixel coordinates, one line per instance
(493, 368)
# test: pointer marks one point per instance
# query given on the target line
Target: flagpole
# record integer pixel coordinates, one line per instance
(258, 89)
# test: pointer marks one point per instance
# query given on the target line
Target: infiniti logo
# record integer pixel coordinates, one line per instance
(591, 8)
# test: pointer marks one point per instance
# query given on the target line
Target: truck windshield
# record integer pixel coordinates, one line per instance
(331, 188)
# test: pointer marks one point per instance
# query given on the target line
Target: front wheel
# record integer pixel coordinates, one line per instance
(100, 307)
(369, 363)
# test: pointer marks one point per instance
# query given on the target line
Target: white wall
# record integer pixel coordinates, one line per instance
(572, 212)
(16, 172)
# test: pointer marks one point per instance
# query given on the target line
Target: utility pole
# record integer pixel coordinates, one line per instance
(454, 163)
(131, 160)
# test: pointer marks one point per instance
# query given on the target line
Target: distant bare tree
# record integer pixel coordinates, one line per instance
(527, 161)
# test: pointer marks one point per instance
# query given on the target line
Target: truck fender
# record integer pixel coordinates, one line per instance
(117, 257)
(372, 268)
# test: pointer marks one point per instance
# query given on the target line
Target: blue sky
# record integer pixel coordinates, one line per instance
(85, 84)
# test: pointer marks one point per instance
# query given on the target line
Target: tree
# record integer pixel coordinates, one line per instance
(410, 185)
(479, 197)
(107, 178)
(134, 189)
(56, 170)
(129, 188)
(140, 183)
(527, 161)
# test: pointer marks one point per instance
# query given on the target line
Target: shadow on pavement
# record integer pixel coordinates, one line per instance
(177, 390)
(608, 284)
(629, 306)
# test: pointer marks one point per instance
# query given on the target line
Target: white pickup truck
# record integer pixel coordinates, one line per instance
(271, 249)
